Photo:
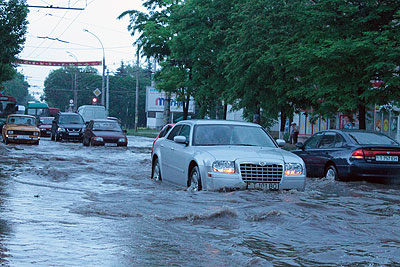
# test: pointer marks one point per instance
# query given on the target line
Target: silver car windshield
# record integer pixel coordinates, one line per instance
(237, 135)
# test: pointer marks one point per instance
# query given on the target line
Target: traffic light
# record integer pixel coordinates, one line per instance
(94, 100)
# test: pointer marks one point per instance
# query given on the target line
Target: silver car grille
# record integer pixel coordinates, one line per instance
(269, 173)
(73, 130)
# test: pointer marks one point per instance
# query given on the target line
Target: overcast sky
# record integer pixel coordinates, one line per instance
(98, 16)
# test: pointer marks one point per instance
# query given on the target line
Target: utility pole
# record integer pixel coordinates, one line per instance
(75, 82)
(108, 91)
(137, 91)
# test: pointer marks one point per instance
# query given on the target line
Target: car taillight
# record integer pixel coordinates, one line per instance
(358, 154)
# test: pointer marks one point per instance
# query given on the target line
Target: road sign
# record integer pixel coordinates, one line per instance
(97, 92)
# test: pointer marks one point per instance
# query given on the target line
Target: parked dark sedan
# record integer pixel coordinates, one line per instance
(351, 155)
(104, 133)
(67, 126)
(45, 126)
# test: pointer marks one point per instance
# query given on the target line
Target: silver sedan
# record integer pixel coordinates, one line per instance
(215, 154)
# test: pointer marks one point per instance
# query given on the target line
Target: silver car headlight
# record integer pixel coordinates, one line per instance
(122, 140)
(60, 129)
(293, 169)
(223, 166)
(10, 132)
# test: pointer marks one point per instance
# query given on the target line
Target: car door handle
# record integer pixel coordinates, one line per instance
(172, 148)
(162, 145)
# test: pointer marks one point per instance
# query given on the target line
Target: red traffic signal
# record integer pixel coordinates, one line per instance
(94, 100)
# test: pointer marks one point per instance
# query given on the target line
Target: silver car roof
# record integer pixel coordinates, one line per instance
(219, 122)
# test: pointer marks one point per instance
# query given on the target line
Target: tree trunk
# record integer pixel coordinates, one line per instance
(186, 108)
(225, 110)
(167, 109)
(361, 111)
(282, 126)
(361, 116)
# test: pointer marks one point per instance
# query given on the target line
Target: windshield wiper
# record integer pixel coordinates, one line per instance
(244, 145)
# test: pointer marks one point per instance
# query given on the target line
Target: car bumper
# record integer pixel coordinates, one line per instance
(382, 173)
(23, 140)
(218, 181)
(68, 136)
(45, 133)
(102, 143)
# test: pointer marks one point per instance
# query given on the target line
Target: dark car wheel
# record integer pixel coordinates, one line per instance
(156, 173)
(194, 183)
(331, 173)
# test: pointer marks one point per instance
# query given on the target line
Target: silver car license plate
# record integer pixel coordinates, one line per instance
(386, 158)
(268, 186)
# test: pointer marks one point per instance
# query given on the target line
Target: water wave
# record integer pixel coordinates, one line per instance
(266, 216)
(192, 217)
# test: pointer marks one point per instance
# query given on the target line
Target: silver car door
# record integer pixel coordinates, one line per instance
(179, 158)
(167, 162)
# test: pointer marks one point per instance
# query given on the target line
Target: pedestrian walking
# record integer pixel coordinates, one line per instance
(294, 133)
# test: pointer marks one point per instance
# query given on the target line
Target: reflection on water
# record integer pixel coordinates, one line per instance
(63, 204)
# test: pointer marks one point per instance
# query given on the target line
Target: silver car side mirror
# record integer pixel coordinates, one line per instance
(180, 139)
(280, 142)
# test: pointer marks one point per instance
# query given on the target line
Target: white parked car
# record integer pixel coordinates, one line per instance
(92, 112)
(215, 154)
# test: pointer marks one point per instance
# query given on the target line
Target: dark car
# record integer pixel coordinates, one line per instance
(104, 133)
(351, 155)
(67, 126)
(45, 126)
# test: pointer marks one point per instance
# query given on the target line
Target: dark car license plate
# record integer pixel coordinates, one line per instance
(111, 144)
(386, 158)
(268, 186)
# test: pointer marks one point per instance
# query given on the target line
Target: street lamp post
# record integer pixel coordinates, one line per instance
(75, 83)
(104, 66)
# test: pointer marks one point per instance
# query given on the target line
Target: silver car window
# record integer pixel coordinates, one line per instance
(185, 131)
(174, 132)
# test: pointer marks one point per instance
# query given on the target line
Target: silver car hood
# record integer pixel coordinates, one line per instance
(239, 153)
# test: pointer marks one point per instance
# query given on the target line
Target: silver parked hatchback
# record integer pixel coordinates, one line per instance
(215, 154)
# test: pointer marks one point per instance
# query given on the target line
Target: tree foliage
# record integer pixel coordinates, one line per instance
(18, 88)
(275, 57)
(13, 26)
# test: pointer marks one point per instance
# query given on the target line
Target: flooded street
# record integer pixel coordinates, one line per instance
(63, 204)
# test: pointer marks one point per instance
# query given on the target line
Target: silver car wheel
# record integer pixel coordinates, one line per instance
(331, 173)
(195, 180)
(156, 171)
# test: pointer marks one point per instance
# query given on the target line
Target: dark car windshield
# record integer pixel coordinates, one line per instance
(71, 119)
(209, 135)
(106, 126)
(46, 121)
(366, 138)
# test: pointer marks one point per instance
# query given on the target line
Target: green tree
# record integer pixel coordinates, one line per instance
(348, 44)
(18, 88)
(12, 34)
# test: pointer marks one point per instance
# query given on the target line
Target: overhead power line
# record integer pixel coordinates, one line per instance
(58, 7)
